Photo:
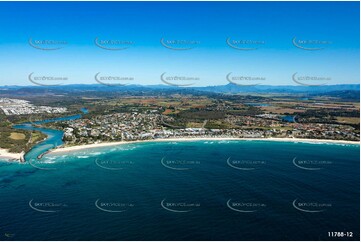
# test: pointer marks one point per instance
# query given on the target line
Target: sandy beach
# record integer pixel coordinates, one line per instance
(5, 154)
(105, 144)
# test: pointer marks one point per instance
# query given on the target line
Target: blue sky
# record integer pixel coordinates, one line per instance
(209, 23)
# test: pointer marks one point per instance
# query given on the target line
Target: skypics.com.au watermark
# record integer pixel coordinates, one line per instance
(113, 44)
(245, 165)
(245, 207)
(178, 81)
(113, 165)
(113, 207)
(46, 44)
(311, 206)
(46, 207)
(179, 44)
(308, 80)
(244, 44)
(310, 45)
(46, 80)
(180, 165)
(311, 165)
(179, 206)
(112, 81)
(244, 80)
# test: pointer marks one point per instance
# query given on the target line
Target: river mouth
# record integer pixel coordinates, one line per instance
(54, 137)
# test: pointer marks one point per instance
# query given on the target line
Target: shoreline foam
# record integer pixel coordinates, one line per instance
(106, 144)
(5, 154)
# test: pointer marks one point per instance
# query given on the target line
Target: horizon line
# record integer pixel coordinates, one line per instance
(163, 85)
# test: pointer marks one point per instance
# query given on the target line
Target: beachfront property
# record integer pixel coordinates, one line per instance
(145, 126)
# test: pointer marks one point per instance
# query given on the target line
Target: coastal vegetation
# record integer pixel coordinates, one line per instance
(149, 114)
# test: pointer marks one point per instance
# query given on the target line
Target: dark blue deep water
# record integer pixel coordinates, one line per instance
(198, 190)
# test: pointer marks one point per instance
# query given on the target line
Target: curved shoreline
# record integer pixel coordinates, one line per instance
(5, 154)
(17, 156)
(106, 144)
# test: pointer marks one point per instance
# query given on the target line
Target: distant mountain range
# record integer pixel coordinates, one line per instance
(343, 89)
(231, 88)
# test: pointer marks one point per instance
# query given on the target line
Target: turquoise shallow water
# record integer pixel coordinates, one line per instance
(54, 137)
(198, 190)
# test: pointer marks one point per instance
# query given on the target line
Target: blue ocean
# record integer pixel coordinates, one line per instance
(191, 190)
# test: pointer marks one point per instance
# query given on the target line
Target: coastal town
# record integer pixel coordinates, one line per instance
(180, 121)
(140, 126)
(151, 119)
